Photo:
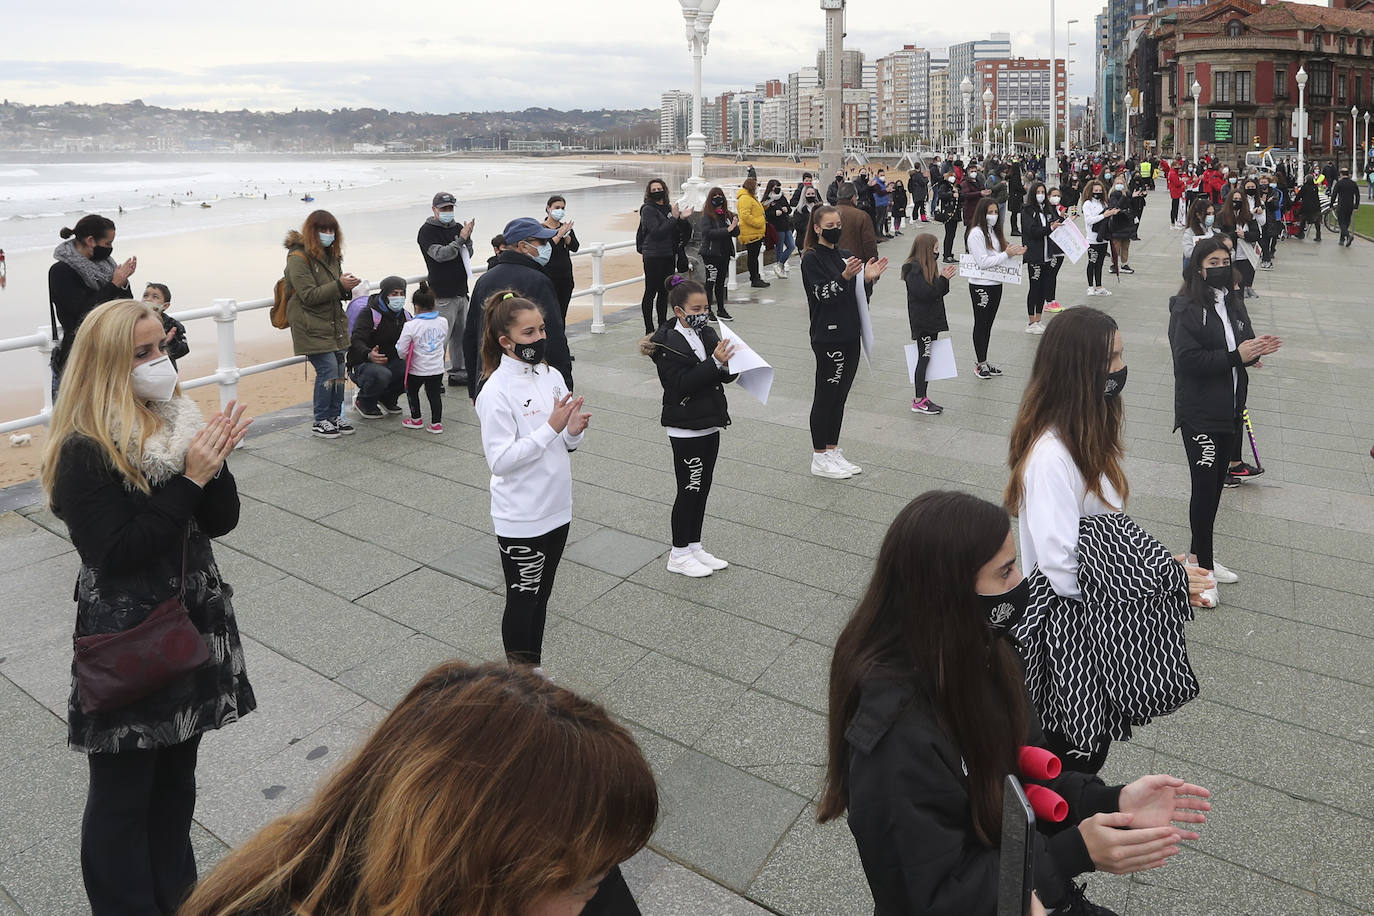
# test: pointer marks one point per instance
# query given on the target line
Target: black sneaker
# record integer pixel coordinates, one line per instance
(369, 411)
(1127, 269)
(325, 429)
(760, 284)
(992, 370)
(392, 408)
(1244, 470)
(981, 370)
(1231, 482)
(1076, 904)
(343, 427)
(724, 315)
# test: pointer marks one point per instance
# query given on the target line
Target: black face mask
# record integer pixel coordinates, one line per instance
(1004, 611)
(101, 252)
(658, 195)
(831, 235)
(1219, 277)
(1115, 382)
(532, 352)
(717, 201)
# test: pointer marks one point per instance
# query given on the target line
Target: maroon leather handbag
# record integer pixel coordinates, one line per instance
(114, 670)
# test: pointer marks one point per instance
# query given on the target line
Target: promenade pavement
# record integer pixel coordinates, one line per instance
(359, 563)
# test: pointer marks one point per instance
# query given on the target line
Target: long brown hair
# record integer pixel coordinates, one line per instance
(923, 255)
(1231, 214)
(497, 318)
(812, 236)
(317, 222)
(1197, 213)
(918, 620)
(980, 221)
(1065, 395)
(649, 184)
(710, 212)
(485, 790)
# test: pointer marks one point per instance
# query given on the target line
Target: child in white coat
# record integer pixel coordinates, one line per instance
(530, 424)
(421, 345)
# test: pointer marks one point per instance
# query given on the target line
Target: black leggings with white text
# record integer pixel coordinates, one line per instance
(1097, 256)
(694, 465)
(836, 366)
(1209, 457)
(717, 278)
(924, 343)
(530, 565)
(1043, 280)
(986, 301)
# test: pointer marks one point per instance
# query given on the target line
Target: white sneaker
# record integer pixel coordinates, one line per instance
(1103, 291)
(688, 565)
(710, 562)
(1210, 598)
(822, 465)
(542, 673)
(1035, 328)
(1223, 575)
(1092, 290)
(837, 455)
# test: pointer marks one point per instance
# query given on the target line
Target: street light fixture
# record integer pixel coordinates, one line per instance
(1302, 118)
(1013, 133)
(1366, 143)
(966, 87)
(1354, 147)
(1127, 100)
(987, 121)
(1196, 89)
(697, 14)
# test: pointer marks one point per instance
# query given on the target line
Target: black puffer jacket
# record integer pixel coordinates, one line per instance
(369, 333)
(925, 302)
(658, 231)
(693, 389)
(909, 811)
(717, 239)
(1204, 398)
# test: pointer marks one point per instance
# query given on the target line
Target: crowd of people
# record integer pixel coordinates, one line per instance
(458, 802)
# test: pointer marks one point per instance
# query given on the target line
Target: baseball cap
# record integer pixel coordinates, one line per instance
(517, 230)
(444, 199)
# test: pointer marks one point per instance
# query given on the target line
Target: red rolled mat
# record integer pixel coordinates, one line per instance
(1038, 763)
(1047, 805)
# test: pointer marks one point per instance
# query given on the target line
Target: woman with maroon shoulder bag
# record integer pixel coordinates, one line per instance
(139, 479)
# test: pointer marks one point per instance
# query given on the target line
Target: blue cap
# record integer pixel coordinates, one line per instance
(517, 230)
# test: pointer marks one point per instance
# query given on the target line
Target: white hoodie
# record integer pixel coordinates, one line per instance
(531, 476)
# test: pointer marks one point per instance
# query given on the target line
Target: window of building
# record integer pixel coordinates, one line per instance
(1280, 83)
(1242, 133)
(1221, 86)
(1234, 28)
(1355, 90)
(1243, 80)
(1340, 87)
(1188, 78)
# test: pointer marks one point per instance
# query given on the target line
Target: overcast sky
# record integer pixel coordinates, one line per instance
(466, 55)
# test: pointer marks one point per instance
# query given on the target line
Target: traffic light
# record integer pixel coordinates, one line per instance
(1257, 141)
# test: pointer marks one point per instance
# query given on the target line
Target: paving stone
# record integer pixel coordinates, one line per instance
(26, 542)
(722, 819)
(770, 738)
(432, 603)
(477, 563)
(680, 892)
(586, 660)
(670, 697)
(814, 871)
(387, 677)
(615, 552)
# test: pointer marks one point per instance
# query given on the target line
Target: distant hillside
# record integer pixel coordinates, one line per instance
(134, 125)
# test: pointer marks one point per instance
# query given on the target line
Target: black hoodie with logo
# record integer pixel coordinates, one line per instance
(1207, 397)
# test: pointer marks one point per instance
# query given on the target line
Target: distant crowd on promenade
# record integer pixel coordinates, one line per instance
(491, 789)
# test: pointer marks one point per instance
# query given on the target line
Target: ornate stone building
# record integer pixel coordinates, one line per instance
(1245, 55)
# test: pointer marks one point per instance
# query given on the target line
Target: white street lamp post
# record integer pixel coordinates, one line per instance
(698, 15)
(966, 87)
(1127, 100)
(1366, 143)
(1196, 90)
(1302, 119)
(1068, 105)
(1354, 147)
(1051, 170)
(987, 122)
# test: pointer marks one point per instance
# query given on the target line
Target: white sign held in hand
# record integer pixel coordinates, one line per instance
(998, 273)
(1070, 240)
(755, 375)
(941, 365)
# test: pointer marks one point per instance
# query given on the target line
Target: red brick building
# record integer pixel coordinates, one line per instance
(1246, 55)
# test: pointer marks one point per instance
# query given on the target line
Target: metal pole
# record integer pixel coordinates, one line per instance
(598, 291)
(1052, 170)
(1196, 160)
(1302, 121)
(227, 370)
(1354, 147)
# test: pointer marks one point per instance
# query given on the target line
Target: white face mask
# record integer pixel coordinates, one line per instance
(1040, 198)
(1054, 201)
(992, 219)
(155, 380)
(445, 216)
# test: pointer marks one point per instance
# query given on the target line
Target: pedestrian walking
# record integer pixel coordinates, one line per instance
(927, 284)
(1345, 196)
(987, 246)
(140, 480)
(1311, 200)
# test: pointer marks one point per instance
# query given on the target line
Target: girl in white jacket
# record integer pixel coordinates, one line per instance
(988, 247)
(1096, 218)
(530, 423)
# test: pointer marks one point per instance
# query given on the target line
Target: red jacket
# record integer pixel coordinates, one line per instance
(1175, 184)
(1212, 183)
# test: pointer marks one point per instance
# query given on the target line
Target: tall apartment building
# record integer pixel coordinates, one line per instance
(746, 119)
(1023, 87)
(811, 116)
(962, 59)
(773, 126)
(807, 78)
(903, 92)
(940, 112)
(674, 118)
(851, 68)
(869, 84)
(710, 122)
(724, 105)
(855, 106)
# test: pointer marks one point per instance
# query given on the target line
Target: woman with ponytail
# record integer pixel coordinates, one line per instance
(83, 276)
(928, 715)
(693, 367)
(530, 424)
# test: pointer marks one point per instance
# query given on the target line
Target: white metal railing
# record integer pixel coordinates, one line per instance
(225, 314)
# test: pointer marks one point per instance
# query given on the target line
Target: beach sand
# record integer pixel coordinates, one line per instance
(273, 390)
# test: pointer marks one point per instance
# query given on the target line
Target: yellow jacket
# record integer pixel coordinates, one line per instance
(751, 221)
